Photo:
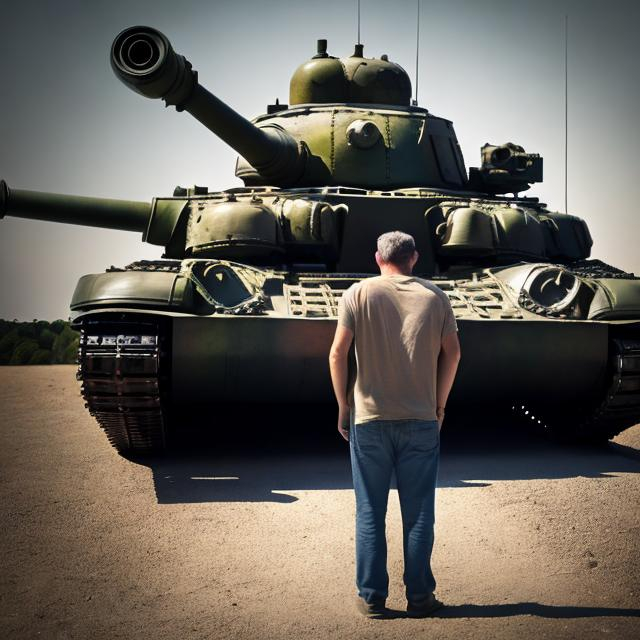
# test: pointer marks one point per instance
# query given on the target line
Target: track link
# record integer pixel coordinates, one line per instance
(619, 409)
(122, 367)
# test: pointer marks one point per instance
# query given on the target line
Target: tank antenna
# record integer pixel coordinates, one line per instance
(415, 102)
(359, 22)
(566, 109)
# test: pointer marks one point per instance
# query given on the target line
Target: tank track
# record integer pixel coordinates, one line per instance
(619, 409)
(123, 368)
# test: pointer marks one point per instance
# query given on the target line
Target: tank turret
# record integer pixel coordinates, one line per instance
(349, 121)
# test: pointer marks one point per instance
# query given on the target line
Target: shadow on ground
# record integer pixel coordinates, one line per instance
(523, 609)
(268, 457)
(532, 609)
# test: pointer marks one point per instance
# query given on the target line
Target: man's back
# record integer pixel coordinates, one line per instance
(399, 322)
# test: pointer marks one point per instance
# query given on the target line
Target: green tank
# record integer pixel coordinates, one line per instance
(241, 309)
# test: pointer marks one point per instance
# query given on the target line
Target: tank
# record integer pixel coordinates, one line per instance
(240, 311)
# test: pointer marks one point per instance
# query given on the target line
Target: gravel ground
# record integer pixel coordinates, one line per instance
(239, 540)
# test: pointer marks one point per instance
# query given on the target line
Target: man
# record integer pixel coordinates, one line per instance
(407, 355)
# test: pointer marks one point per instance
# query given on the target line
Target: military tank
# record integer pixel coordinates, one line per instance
(241, 308)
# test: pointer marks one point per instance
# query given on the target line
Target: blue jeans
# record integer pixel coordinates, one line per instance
(411, 448)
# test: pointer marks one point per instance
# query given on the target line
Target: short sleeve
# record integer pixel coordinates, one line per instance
(346, 310)
(449, 324)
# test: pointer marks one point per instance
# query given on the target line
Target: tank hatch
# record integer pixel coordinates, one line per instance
(325, 79)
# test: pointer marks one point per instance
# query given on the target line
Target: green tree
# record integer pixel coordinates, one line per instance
(64, 345)
(9, 341)
(58, 325)
(71, 352)
(41, 356)
(41, 325)
(38, 342)
(46, 339)
(5, 327)
(23, 352)
(27, 330)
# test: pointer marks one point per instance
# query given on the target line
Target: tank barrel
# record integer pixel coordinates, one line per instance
(93, 212)
(144, 60)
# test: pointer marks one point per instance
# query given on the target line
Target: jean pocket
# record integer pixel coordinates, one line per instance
(367, 434)
(425, 435)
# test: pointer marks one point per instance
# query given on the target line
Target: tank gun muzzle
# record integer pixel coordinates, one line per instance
(145, 61)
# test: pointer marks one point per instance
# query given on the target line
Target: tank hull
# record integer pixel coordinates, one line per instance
(142, 395)
(286, 360)
(167, 339)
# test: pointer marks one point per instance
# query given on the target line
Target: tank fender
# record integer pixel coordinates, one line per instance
(131, 288)
(615, 299)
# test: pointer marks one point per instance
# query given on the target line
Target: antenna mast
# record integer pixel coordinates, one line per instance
(415, 102)
(566, 109)
(359, 22)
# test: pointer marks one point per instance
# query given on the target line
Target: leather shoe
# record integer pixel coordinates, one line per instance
(423, 608)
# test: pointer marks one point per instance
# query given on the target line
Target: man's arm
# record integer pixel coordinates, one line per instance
(447, 367)
(338, 364)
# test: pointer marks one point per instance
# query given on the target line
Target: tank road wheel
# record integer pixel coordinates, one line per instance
(124, 370)
(618, 410)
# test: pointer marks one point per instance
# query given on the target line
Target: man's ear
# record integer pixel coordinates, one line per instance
(379, 260)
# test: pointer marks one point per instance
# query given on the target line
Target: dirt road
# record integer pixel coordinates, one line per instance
(256, 540)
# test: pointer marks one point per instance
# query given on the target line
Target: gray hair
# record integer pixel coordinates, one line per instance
(396, 247)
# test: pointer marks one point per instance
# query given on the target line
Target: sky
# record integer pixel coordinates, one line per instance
(493, 67)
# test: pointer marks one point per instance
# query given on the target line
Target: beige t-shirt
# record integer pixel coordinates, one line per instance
(398, 322)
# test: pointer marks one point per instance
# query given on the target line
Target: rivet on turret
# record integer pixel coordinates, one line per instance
(322, 49)
(384, 57)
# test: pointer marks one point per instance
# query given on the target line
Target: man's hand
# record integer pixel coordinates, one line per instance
(338, 366)
(448, 360)
(343, 421)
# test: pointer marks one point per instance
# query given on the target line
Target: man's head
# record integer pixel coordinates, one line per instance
(396, 252)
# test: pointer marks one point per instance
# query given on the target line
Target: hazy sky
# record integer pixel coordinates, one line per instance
(495, 68)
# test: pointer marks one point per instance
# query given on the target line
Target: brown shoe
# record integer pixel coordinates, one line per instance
(423, 608)
(374, 610)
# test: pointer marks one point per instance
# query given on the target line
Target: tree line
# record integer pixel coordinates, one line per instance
(38, 342)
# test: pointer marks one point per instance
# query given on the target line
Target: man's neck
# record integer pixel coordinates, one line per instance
(389, 270)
